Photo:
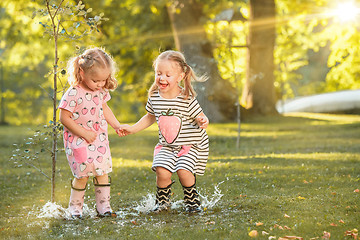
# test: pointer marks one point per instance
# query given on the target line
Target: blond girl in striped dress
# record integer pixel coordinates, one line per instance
(183, 145)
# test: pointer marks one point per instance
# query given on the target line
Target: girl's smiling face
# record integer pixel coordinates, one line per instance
(168, 75)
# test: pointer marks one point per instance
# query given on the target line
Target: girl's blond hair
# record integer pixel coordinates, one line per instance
(92, 58)
(178, 58)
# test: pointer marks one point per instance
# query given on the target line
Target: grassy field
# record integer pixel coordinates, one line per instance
(294, 175)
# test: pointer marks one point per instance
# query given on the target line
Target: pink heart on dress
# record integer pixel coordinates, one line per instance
(96, 99)
(101, 149)
(66, 135)
(90, 160)
(96, 126)
(92, 111)
(71, 138)
(99, 159)
(84, 111)
(64, 104)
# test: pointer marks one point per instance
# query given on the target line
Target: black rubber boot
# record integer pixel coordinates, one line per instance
(191, 199)
(162, 202)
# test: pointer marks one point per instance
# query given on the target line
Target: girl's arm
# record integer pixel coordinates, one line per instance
(69, 123)
(110, 117)
(145, 122)
(202, 120)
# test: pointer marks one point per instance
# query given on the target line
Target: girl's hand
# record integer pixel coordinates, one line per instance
(89, 136)
(203, 121)
(69, 123)
(124, 130)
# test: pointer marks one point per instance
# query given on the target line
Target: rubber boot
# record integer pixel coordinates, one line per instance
(76, 201)
(191, 199)
(162, 202)
(102, 198)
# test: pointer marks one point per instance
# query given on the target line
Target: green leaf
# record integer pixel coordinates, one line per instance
(68, 11)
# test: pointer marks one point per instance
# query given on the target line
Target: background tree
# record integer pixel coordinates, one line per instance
(259, 92)
(138, 30)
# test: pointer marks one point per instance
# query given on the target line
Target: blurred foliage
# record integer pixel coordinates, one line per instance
(138, 29)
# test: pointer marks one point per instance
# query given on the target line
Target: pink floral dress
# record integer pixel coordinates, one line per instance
(86, 159)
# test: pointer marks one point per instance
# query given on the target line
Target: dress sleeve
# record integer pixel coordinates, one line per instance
(149, 107)
(106, 96)
(194, 108)
(68, 100)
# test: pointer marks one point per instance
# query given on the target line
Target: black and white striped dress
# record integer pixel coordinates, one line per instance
(182, 143)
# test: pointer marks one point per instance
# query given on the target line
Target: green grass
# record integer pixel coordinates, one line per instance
(305, 166)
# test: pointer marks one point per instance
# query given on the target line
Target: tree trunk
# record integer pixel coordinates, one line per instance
(258, 95)
(55, 24)
(216, 96)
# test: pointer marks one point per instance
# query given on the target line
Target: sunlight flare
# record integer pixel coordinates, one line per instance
(346, 11)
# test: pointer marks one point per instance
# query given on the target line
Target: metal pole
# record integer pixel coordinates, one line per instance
(2, 117)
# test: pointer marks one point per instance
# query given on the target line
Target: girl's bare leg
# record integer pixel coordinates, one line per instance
(163, 177)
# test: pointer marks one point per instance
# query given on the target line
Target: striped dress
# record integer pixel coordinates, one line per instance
(182, 143)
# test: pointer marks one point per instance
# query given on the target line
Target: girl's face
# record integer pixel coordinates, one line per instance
(95, 79)
(167, 77)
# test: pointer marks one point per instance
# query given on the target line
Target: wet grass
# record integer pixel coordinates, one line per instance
(292, 175)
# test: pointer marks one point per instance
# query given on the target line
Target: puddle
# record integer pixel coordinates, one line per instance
(145, 205)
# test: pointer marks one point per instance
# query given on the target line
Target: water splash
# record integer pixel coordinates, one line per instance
(148, 202)
(53, 210)
(56, 211)
(211, 201)
(177, 204)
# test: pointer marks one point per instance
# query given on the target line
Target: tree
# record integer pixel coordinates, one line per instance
(259, 93)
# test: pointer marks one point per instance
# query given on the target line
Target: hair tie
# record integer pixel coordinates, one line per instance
(186, 67)
(88, 57)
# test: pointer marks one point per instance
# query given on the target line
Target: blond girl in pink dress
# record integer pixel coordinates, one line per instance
(85, 115)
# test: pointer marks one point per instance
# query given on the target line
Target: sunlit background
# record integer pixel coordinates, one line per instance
(346, 11)
(316, 50)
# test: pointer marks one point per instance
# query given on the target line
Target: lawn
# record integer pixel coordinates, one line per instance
(293, 175)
